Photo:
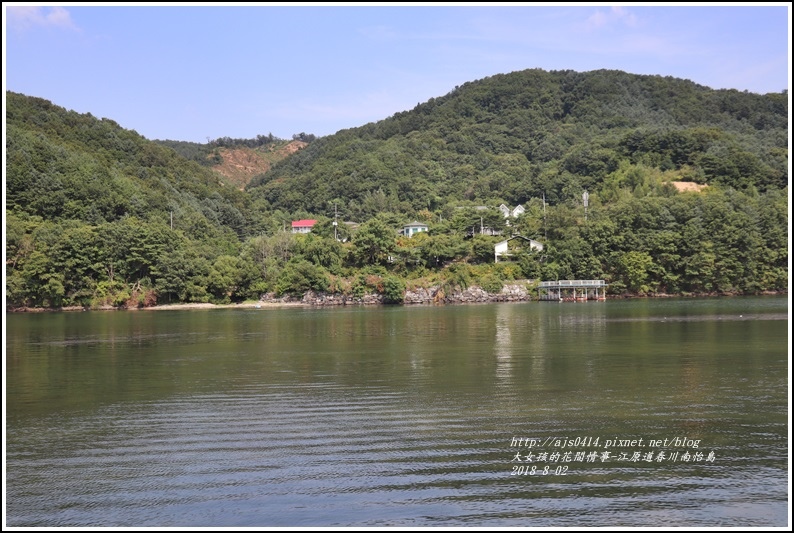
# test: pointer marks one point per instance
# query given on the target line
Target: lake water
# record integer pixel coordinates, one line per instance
(402, 416)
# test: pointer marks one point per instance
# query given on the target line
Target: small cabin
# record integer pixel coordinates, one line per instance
(501, 249)
(409, 230)
(303, 226)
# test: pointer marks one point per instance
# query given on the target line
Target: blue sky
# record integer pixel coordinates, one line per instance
(205, 71)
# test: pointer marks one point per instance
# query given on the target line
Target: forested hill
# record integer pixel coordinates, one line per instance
(512, 137)
(63, 165)
(97, 215)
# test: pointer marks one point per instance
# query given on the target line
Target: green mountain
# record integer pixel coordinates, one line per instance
(97, 215)
(92, 207)
(512, 137)
(62, 165)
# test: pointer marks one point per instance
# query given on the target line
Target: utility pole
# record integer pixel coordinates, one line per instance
(335, 223)
(172, 220)
(585, 198)
(545, 235)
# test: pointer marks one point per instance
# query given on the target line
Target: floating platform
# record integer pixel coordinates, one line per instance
(572, 290)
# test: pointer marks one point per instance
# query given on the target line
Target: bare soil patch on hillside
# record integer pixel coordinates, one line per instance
(240, 165)
(683, 186)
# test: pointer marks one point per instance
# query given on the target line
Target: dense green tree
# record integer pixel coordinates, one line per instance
(634, 268)
(443, 248)
(482, 248)
(300, 276)
(393, 290)
(321, 251)
(374, 243)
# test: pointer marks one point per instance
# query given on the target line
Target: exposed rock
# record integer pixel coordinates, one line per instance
(512, 292)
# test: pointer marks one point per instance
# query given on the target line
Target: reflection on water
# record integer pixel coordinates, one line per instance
(401, 416)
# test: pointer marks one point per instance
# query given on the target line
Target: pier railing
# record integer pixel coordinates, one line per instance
(572, 290)
(565, 283)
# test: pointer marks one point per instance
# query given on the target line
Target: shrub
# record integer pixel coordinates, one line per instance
(458, 276)
(393, 290)
(491, 284)
(301, 276)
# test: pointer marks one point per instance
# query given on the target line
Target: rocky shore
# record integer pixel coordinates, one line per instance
(514, 292)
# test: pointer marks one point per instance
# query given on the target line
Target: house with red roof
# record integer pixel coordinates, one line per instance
(303, 226)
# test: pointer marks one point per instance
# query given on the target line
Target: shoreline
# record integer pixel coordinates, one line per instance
(164, 307)
(304, 304)
(246, 305)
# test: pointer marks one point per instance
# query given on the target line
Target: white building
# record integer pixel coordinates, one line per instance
(501, 249)
(303, 226)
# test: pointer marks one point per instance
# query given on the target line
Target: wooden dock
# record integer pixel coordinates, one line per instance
(572, 290)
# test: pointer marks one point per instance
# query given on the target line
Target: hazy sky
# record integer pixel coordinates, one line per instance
(205, 71)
